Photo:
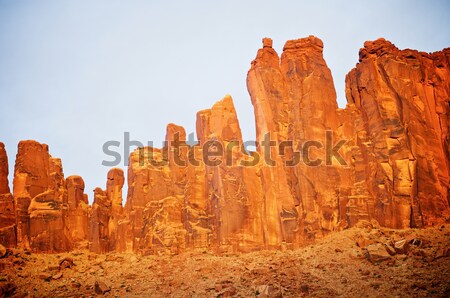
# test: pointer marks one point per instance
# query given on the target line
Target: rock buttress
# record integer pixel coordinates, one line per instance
(106, 232)
(402, 99)
(77, 216)
(233, 198)
(267, 88)
(155, 207)
(7, 213)
(51, 212)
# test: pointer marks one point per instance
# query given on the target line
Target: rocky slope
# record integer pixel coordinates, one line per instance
(317, 168)
(350, 263)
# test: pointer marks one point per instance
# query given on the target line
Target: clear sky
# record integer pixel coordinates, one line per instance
(75, 74)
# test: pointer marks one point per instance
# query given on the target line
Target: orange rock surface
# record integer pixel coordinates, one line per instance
(7, 213)
(401, 97)
(77, 216)
(40, 196)
(230, 197)
(382, 161)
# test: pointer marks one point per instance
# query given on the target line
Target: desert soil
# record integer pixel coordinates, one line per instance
(351, 263)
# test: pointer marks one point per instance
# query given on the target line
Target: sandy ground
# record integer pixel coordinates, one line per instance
(352, 263)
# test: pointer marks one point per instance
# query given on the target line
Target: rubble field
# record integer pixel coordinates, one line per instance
(365, 260)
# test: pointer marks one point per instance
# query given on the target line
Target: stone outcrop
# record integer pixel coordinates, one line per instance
(266, 86)
(39, 195)
(398, 106)
(320, 181)
(99, 222)
(51, 212)
(7, 213)
(47, 211)
(114, 187)
(154, 206)
(77, 215)
(106, 215)
(402, 99)
(231, 200)
(295, 109)
(383, 160)
(4, 184)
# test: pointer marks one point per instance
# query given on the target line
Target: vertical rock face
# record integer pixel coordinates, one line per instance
(267, 89)
(402, 99)
(51, 212)
(39, 194)
(99, 222)
(154, 206)
(228, 194)
(317, 169)
(114, 187)
(47, 212)
(398, 106)
(30, 180)
(106, 216)
(4, 185)
(295, 102)
(195, 197)
(77, 216)
(176, 150)
(197, 219)
(319, 181)
(7, 214)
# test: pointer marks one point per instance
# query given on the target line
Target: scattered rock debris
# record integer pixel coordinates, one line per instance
(364, 261)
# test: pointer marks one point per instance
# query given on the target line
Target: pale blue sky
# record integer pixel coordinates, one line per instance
(75, 74)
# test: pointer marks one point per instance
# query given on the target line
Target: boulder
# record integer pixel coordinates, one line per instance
(377, 253)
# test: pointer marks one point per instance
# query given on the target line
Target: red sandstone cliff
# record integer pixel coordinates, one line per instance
(77, 215)
(295, 102)
(7, 213)
(40, 196)
(402, 98)
(384, 158)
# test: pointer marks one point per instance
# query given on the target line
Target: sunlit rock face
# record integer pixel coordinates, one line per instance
(154, 206)
(233, 192)
(397, 108)
(98, 222)
(77, 215)
(51, 213)
(295, 102)
(267, 88)
(402, 100)
(179, 199)
(319, 187)
(40, 197)
(106, 215)
(317, 168)
(7, 214)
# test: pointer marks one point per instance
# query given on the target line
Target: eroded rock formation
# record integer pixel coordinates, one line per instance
(40, 195)
(317, 168)
(402, 98)
(106, 215)
(77, 215)
(7, 213)
(230, 197)
(155, 207)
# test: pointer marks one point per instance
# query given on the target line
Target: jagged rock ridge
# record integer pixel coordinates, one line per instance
(384, 158)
